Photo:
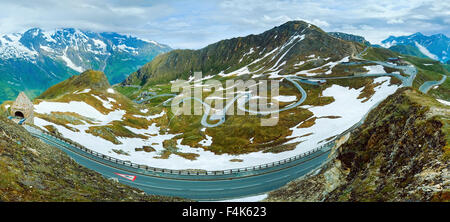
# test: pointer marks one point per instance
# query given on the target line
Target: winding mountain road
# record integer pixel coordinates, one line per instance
(196, 187)
(426, 86)
(215, 186)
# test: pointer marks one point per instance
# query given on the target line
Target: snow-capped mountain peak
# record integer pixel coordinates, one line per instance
(436, 46)
(33, 41)
(54, 55)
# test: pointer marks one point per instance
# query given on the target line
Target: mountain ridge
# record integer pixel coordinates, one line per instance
(36, 59)
(350, 37)
(286, 43)
(435, 46)
(89, 79)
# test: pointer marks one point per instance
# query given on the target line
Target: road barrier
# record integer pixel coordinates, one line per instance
(88, 151)
(325, 146)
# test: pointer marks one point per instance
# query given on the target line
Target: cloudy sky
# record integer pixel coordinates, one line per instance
(197, 23)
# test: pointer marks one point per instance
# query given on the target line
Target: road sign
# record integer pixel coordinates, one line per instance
(126, 176)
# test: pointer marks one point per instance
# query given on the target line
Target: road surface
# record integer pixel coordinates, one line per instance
(426, 86)
(235, 184)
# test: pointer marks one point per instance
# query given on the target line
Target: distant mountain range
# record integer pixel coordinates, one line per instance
(35, 60)
(288, 48)
(350, 37)
(436, 46)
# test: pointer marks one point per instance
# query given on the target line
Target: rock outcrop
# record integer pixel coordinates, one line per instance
(400, 153)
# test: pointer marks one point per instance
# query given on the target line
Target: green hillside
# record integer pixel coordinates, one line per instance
(89, 79)
(407, 50)
(428, 69)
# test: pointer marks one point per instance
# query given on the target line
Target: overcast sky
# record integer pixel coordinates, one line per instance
(197, 23)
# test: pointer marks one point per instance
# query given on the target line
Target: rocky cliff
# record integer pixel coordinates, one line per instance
(400, 153)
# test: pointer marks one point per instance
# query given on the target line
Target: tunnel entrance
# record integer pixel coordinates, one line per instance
(19, 114)
(22, 109)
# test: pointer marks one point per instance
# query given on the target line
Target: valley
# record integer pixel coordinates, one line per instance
(149, 133)
(324, 85)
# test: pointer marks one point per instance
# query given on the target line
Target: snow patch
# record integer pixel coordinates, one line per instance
(100, 44)
(375, 69)
(444, 102)
(285, 99)
(207, 141)
(69, 62)
(83, 91)
(80, 108)
(106, 104)
(425, 51)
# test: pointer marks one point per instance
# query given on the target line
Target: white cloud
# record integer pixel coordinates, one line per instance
(197, 23)
(320, 23)
(395, 21)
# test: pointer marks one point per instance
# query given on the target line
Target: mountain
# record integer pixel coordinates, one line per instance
(280, 49)
(85, 109)
(350, 37)
(401, 153)
(31, 170)
(89, 111)
(36, 59)
(148, 132)
(95, 80)
(436, 46)
(133, 121)
(408, 50)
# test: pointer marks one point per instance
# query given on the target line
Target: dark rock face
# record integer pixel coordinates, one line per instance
(401, 153)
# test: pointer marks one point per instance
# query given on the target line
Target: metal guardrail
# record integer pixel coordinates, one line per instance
(184, 172)
(219, 172)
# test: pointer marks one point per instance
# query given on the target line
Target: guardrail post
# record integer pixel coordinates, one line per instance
(180, 172)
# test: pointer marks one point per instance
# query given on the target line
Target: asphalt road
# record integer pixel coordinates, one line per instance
(203, 187)
(196, 187)
(426, 86)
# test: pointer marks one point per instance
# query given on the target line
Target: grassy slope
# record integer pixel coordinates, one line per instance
(425, 73)
(98, 83)
(88, 79)
(407, 50)
(33, 171)
(431, 73)
(236, 132)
